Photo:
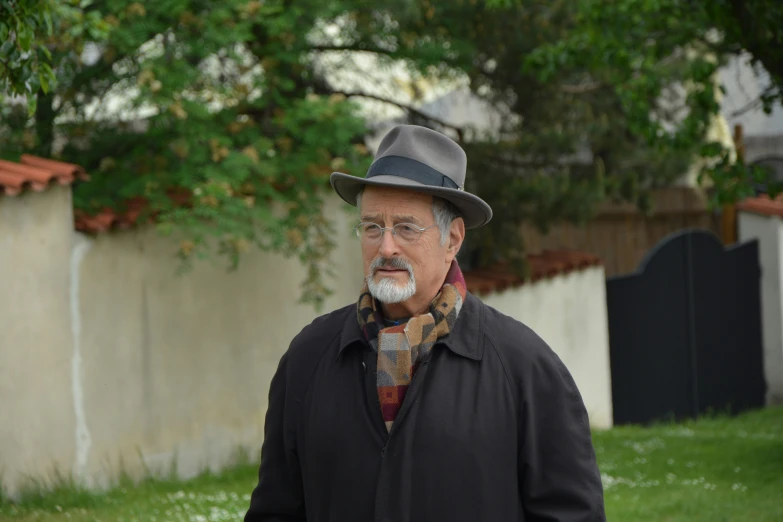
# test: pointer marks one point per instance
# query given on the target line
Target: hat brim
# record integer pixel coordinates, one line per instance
(474, 210)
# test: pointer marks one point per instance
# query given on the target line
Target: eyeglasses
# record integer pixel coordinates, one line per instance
(404, 233)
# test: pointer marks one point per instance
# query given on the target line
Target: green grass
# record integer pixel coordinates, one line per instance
(208, 497)
(717, 469)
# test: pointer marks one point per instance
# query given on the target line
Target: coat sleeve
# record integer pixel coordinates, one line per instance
(278, 496)
(558, 473)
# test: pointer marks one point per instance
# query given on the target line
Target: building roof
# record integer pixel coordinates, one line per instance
(110, 219)
(763, 205)
(37, 174)
(34, 173)
(134, 211)
(545, 265)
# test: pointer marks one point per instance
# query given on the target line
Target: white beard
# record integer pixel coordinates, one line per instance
(387, 290)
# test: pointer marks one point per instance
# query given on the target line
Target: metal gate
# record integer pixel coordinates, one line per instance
(685, 331)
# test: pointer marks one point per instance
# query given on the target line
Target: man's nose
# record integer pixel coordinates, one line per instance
(389, 246)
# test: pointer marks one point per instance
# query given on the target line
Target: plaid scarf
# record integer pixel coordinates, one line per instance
(401, 348)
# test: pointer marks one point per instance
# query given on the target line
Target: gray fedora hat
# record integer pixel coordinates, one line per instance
(420, 159)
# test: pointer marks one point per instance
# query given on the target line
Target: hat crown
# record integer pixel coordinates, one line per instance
(426, 146)
(421, 160)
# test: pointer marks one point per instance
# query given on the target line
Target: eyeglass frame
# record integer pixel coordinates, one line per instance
(383, 230)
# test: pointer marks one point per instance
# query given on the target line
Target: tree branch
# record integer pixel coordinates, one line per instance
(408, 108)
(754, 104)
(355, 49)
(762, 48)
(581, 88)
(397, 55)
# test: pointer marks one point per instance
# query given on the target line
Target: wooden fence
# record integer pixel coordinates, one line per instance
(621, 235)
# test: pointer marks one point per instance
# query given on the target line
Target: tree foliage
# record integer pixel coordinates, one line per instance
(657, 54)
(570, 135)
(207, 117)
(27, 28)
(24, 60)
(752, 26)
(225, 120)
(627, 85)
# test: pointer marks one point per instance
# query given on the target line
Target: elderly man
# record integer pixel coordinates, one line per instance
(419, 402)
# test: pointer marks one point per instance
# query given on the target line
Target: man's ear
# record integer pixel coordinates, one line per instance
(456, 237)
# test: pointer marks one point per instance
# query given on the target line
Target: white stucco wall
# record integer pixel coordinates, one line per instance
(187, 359)
(768, 230)
(37, 417)
(569, 313)
(110, 362)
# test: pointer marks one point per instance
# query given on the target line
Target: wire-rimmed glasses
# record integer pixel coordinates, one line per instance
(404, 233)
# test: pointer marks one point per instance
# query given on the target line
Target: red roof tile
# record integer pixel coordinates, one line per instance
(110, 219)
(32, 172)
(35, 173)
(541, 266)
(763, 204)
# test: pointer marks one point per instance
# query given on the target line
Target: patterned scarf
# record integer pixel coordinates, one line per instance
(401, 348)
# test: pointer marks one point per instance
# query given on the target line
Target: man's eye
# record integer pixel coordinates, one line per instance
(407, 232)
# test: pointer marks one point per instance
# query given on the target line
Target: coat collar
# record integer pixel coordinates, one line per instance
(463, 339)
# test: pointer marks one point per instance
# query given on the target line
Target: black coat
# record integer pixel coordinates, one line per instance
(492, 429)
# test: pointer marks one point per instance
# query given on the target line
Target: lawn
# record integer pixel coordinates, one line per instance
(715, 470)
(718, 469)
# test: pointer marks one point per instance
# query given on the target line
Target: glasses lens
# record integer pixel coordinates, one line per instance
(406, 232)
(369, 232)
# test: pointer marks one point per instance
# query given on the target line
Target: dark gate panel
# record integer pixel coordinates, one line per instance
(685, 331)
(727, 323)
(648, 332)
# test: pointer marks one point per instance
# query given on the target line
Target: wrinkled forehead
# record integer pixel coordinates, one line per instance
(392, 203)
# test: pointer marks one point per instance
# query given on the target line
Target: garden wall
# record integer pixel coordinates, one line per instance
(110, 361)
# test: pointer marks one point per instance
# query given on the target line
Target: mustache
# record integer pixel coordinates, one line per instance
(396, 263)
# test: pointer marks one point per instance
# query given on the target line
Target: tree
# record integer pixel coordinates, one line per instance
(24, 60)
(752, 26)
(571, 135)
(604, 99)
(215, 131)
(630, 46)
(224, 122)
(26, 28)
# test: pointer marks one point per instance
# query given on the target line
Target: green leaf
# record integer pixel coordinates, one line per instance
(47, 17)
(24, 39)
(43, 77)
(32, 104)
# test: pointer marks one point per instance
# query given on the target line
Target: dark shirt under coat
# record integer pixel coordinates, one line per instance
(492, 428)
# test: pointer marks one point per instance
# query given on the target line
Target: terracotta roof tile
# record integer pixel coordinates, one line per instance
(34, 173)
(110, 219)
(763, 204)
(545, 265)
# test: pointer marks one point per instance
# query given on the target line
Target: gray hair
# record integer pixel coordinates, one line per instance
(443, 210)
